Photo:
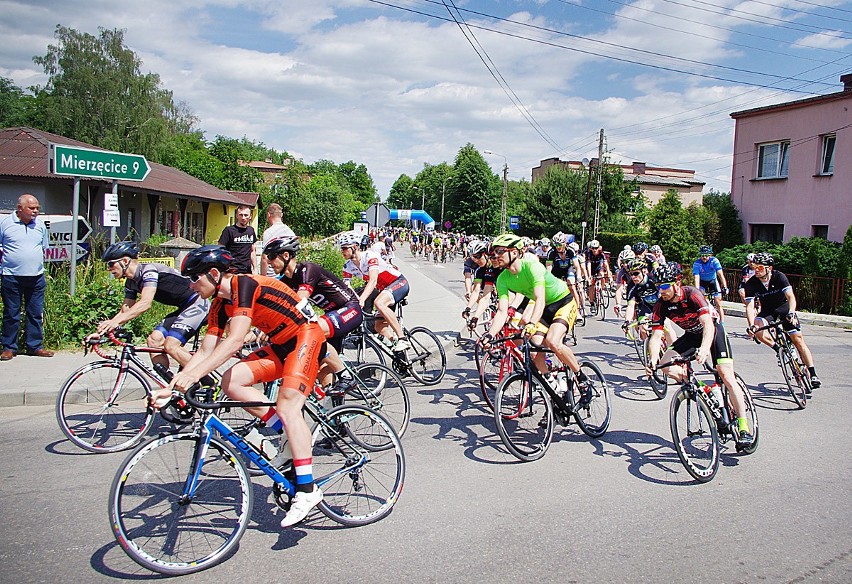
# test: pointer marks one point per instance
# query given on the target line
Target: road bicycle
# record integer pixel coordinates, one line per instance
(498, 362)
(701, 417)
(425, 361)
(103, 406)
(635, 331)
(601, 301)
(527, 402)
(795, 373)
(180, 503)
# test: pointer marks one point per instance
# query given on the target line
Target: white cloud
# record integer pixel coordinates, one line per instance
(828, 39)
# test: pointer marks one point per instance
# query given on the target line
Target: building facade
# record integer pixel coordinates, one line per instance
(792, 168)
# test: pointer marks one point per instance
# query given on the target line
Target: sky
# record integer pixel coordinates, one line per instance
(396, 84)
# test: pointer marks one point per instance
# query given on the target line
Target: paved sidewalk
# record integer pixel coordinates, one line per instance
(36, 380)
(832, 320)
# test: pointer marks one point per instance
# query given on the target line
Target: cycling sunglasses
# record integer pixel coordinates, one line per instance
(639, 273)
(478, 256)
(196, 277)
(665, 285)
(495, 253)
(111, 263)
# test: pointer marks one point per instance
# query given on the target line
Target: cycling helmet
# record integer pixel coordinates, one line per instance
(205, 258)
(640, 247)
(636, 264)
(121, 249)
(594, 244)
(626, 255)
(750, 257)
(705, 250)
(670, 272)
(560, 238)
(574, 246)
(764, 259)
(545, 242)
(476, 247)
(526, 241)
(348, 239)
(288, 243)
(508, 240)
(655, 249)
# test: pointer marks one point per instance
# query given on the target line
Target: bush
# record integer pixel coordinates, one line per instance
(811, 256)
(615, 242)
(324, 253)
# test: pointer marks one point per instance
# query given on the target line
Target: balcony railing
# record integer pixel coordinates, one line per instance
(813, 293)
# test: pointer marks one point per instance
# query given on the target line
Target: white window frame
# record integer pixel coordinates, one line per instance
(782, 159)
(826, 161)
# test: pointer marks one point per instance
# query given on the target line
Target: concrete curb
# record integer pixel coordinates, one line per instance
(812, 318)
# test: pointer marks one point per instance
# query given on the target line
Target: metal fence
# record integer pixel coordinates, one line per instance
(813, 293)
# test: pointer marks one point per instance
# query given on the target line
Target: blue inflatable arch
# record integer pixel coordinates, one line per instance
(413, 214)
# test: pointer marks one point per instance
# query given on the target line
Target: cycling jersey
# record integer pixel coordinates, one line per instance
(272, 306)
(324, 288)
(172, 288)
(486, 274)
(469, 266)
(746, 273)
(532, 274)
(596, 261)
(644, 295)
(706, 271)
(685, 312)
(772, 295)
(369, 259)
(563, 263)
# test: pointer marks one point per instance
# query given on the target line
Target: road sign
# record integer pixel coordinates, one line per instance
(514, 222)
(378, 215)
(111, 218)
(59, 231)
(62, 253)
(103, 164)
(447, 224)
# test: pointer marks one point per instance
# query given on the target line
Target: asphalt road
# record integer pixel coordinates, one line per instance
(618, 509)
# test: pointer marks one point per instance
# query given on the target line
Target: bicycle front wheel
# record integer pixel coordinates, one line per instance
(426, 355)
(163, 529)
(358, 463)
(795, 376)
(524, 416)
(104, 408)
(594, 413)
(494, 366)
(751, 416)
(380, 389)
(694, 433)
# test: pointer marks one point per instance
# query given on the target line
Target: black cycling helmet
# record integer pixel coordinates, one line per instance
(764, 259)
(640, 247)
(671, 272)
(121, 249)
(705, 250)
(289, 243)
(206, 257)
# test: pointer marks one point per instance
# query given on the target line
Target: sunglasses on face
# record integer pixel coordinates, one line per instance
(271, 256)
(196, 277)
(478, 256)
(497, 252)
(665, 286)
(635, 273)
(111, 263)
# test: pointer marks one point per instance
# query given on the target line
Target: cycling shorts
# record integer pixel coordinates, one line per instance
(720, 350)
(711, 287)
(399, 289)
(563, 311)
(780, 314)
(294, 362)
(183, 323)
(343, 321)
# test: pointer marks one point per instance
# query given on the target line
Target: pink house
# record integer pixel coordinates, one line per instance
(792, 174)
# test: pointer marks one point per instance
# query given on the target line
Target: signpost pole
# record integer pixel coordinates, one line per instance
(75, 211)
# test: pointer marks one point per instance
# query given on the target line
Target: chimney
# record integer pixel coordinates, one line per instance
(638, 168)
(847, 81)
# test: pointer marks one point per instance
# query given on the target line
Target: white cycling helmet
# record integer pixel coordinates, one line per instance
(560, 238)
(626, 255)
(594, 244)
(545, 242)
(574, 246)
(348, 239)
(476, 247)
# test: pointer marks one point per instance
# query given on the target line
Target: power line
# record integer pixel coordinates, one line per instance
(800, 11)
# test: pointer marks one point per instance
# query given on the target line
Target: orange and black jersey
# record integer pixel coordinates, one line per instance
(270, 304)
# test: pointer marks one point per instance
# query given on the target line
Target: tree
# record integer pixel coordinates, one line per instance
(16, 108)
(323, 207)
(730, 226)
(433, 183)
(556, 203)
(358, 182)
(400, 195)
(669, 226)
(474, 194)
(97, 93)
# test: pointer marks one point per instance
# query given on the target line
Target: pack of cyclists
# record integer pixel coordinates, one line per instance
(541, 287)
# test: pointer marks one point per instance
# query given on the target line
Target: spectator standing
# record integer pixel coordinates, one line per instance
(24, 238)
(239, 240)
(276, 229)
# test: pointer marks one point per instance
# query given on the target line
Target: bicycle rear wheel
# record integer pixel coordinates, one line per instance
(593, 417)
(694, 433)
(361, 348)
(382, 390)
(104, 408)
(162, 530)
(795, 376)
(524, 416)
(426, 356)
(359, 464)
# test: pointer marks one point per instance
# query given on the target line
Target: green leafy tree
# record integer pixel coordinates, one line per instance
(97, 93)
(323, 208)
(474, 193)
(359, 182)
(434, 181)
(400, 195)
(730, 227)
(16, 108)
(556, 202)
(235, 176)
(669, 225)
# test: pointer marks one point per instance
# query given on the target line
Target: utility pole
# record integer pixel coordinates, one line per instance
(443, 195)
(598, 187)
(505, 195)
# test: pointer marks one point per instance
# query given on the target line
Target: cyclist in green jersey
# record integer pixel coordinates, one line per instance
(554, 309)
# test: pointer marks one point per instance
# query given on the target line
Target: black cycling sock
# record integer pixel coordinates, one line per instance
(812, 371)
(581, 376)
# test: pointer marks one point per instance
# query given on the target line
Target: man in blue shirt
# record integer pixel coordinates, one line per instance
(708, 274)
(23, 237)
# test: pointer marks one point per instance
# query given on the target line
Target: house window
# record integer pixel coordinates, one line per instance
(773, 160)
(769, 232)
(820, 231)
(827, 161)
